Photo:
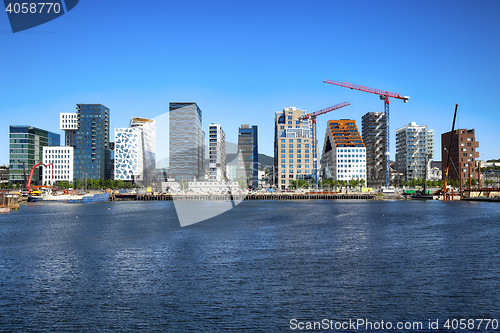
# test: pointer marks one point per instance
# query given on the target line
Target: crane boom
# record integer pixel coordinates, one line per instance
(382, 93)
(323, 111)
(313, 116)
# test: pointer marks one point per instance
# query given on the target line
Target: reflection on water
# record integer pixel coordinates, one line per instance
(128, 266)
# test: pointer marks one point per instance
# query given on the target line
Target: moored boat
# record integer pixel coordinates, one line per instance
(69, 198)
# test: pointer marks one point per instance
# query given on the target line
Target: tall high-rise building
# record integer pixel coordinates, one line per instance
(344, 153)
(293, 154)
(26, 145)
(135, 151)
(87, 131)
(373, 133)
(186, 141)
(463, 153)
(217, 153)
(414, 146)
(248, 166)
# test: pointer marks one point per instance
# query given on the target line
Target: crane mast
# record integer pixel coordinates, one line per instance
(384, 95)
(313, 116)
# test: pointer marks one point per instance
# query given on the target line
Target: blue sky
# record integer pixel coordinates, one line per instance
(242, 61)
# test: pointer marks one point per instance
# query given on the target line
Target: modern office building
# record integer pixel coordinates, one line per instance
(344, 153)
(61, 169)
(135, 152)
(463, 153)
(414, 146)
(4, 174)
(248, 149)
(373, 134)
(293, 155)
(186, 141)
(26, 145)
(217, 153)
(89, 136)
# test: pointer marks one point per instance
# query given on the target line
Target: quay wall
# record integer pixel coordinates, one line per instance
(249, 197)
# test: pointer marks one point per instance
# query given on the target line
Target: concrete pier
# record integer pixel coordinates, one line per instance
(257, 196)
(8, 202)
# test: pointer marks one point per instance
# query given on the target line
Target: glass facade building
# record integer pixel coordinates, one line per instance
(26, 145)
(90, 140)
(248, 166)
(186, 142)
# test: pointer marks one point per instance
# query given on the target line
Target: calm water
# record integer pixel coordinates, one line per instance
(129, 266)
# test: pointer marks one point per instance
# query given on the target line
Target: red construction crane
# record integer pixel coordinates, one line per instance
(28, 185)
(384, 95)
(313, 116)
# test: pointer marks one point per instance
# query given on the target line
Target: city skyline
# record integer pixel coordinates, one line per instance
(241, 64)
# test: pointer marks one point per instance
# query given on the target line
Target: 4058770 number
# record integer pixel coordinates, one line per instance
(33, 7)
(471, 324)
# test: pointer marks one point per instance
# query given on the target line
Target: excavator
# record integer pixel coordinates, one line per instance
(28, 184)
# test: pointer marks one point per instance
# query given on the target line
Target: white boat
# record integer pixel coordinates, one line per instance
(47, 196)
(390, 189)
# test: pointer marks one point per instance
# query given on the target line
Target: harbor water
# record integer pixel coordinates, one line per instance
(263, 266)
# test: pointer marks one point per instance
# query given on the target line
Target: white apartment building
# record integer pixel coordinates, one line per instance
(344, 153)
(414, 146)
(61, 169)
(68, 121)
(217, 153)
(135, 151)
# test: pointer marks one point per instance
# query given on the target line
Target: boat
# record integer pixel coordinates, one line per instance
(422, 196)
(390, 189)
(47, 196)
